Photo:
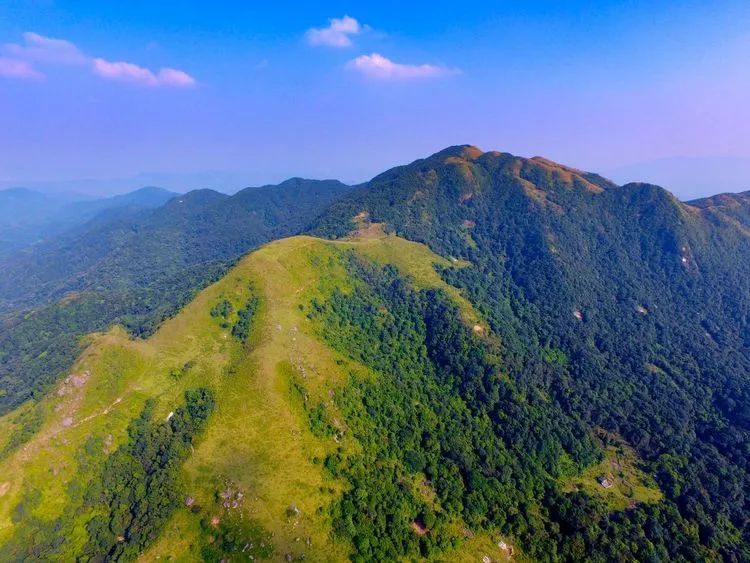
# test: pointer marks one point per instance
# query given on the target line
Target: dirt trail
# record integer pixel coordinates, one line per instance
(30, 448)
(104, 412)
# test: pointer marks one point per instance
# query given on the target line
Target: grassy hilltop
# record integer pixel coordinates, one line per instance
(259, 440)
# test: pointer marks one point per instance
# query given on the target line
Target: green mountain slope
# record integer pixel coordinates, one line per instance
(135, 268)
(640, 300)
(250, 408)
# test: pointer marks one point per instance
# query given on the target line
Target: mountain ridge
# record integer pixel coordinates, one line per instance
(478, 342)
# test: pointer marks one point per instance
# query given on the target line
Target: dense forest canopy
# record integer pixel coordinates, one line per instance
(648, 299)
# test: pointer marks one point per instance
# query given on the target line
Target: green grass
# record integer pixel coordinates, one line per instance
(418, 262)
(258, 438)
(630, 484)
(478, 546)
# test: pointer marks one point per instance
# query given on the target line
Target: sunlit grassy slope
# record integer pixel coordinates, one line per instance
(258, 439)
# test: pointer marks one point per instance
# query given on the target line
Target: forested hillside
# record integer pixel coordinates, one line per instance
(636, 302)
(560, 372)
(127, 248)
(133, 267)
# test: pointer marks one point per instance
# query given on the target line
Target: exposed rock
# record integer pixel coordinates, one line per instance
(79, 380)
(419, 528)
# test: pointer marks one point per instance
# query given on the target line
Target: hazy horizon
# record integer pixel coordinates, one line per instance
(258, 94)
(686, 177)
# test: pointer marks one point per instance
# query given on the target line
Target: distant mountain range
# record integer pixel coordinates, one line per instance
(28, 216)
(687, 177)
(130, 241)
(227, 182)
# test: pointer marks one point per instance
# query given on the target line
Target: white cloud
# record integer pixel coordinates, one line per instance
(378, 66)
(337, 34)
(47, 50)
(39, 48)
(129, 72)
(15, 68)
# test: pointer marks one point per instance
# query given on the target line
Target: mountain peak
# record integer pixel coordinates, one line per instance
(525, 169)
(465, 152)
(300, 182)
(145, 190)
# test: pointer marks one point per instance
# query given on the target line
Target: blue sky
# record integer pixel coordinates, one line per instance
(267, 90)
